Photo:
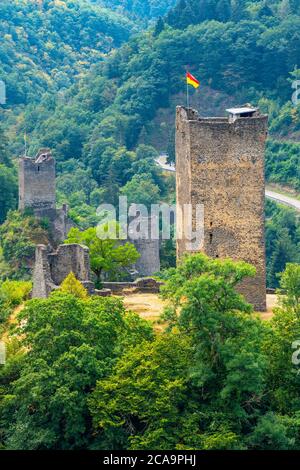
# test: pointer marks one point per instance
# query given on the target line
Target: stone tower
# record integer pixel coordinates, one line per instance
(220, 164)
(149, 261)
(148, 248)
(37, 181)
(37, 192)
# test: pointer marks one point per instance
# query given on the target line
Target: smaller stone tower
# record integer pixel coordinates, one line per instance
(149, 261)
(149, 250)
(37, 182)
(37, 192)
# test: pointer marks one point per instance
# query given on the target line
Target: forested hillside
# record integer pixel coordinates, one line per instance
(98, 125)
(145, 10)
(119, 98)
(45, 44)
(82, 373)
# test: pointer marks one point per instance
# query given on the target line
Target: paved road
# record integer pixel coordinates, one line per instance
(286, 200)
(282, 199)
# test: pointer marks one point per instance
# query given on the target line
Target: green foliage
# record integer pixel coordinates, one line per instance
(108, 254)
(9, 191)
(12, 294)
(70, 343)
(74, 287)
(283, 375)
(290, 283)
(101, 122)
(84, 374)
(141, 190)
(272, 433)
(18, 237)
(188, 12)
(8, 180)
(137, 407)
(46, 45)
(4, 158)
(282, 240)
(115, 103)
(141, 9)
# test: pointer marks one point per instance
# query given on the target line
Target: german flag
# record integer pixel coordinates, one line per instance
(191, 80)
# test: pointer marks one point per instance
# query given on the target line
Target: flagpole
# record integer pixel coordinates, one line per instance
(25, 141)
(187, 95)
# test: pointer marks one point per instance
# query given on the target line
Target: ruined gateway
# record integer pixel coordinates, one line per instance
(220, 164)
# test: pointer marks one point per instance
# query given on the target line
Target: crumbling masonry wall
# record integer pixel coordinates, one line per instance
(51, 268)
(148, 247)
(220, 164)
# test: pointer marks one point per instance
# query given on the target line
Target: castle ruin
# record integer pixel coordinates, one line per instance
(52, 267)
(37, 192)
(220, 164)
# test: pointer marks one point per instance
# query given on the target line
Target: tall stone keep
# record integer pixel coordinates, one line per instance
(37, 181)
(220, 164)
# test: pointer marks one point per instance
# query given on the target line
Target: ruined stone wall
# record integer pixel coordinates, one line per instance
(70, 258)
(221, 165)
(51, 268)
(147, 243)
(37, 183)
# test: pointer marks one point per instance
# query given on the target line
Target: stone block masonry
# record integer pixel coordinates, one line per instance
(220, 164)
(149, 261)
(37, 191)
(52, 267)
(37, 182)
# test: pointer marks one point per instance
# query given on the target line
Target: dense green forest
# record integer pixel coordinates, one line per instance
(120, 97)
(144, 10)
(82, 373)
(45, 45)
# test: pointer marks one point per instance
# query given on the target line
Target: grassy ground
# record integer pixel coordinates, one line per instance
(150, 306)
